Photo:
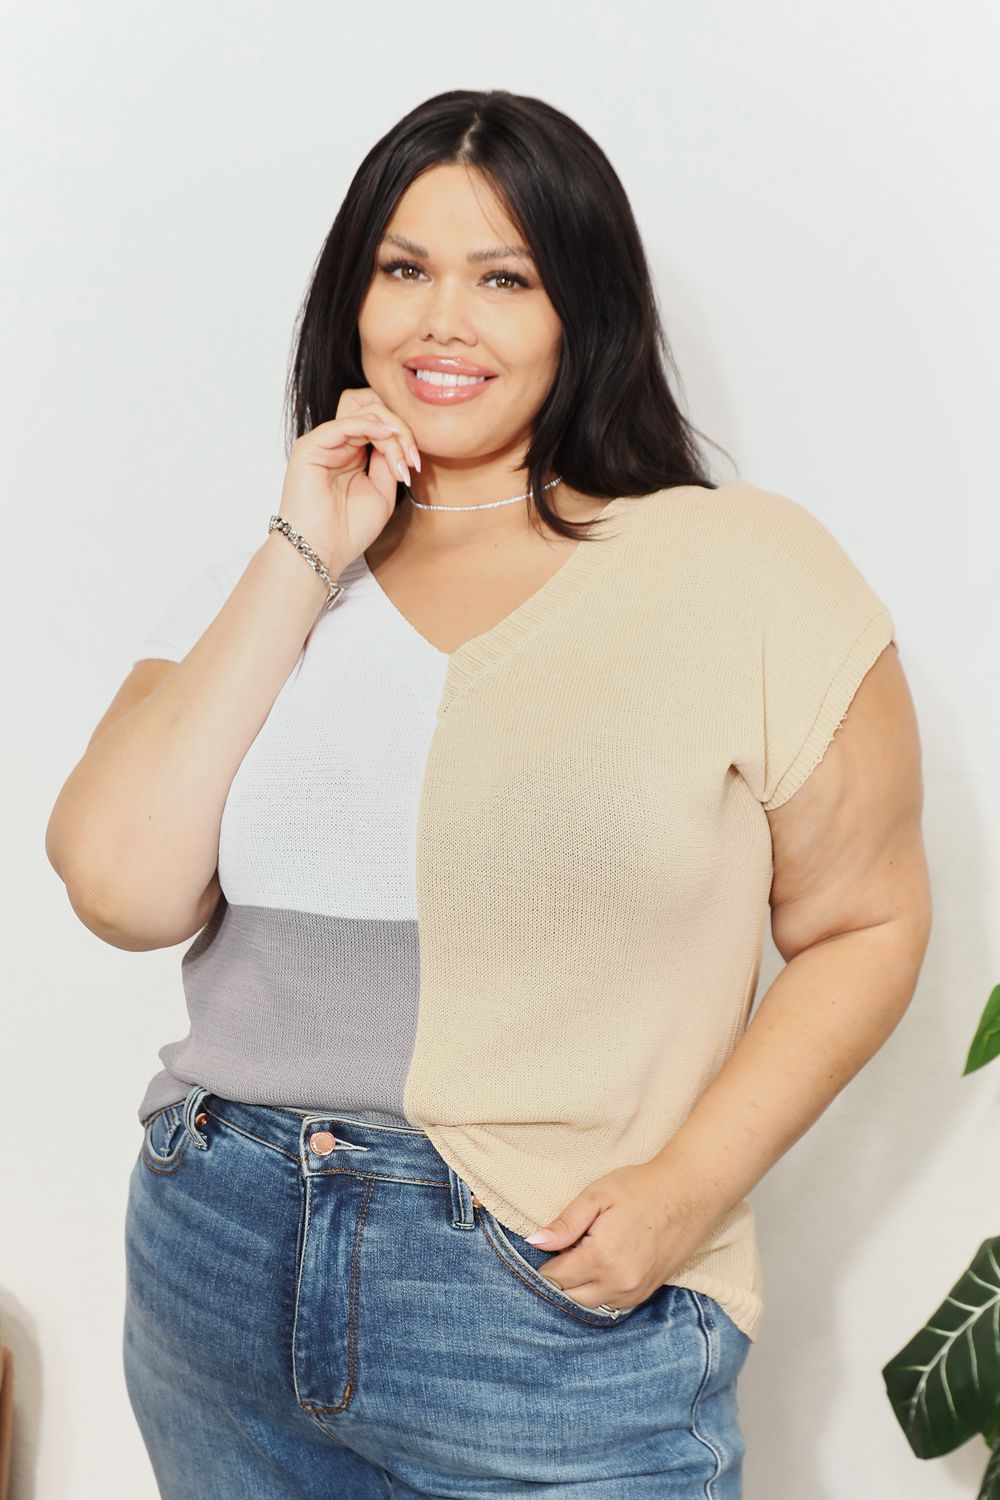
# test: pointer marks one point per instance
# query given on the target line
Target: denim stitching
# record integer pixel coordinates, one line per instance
(351, 1120)
(161, 1171)
(463, 1210)
(193, 1101)
(437, 1182)
(350, 1389)
(241, 1130)
(300, 1253)
(169, 1162)
(707, 1324)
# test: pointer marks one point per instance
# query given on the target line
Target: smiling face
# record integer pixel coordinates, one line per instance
(436, 301)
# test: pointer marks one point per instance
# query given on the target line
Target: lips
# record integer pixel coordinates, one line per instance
(447, 365)
(445, 392)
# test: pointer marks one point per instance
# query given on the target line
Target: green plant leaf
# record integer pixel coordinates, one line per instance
(986, 1042)
(991, 1479)
(944, 1384)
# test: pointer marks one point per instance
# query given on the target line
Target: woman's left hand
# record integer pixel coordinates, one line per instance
(633, 1233)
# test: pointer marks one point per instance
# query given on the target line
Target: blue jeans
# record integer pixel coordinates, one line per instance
(317, 1310)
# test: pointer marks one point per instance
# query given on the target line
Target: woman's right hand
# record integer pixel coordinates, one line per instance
(332, 494)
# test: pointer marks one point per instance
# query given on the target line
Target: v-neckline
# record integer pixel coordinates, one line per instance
(474, 655)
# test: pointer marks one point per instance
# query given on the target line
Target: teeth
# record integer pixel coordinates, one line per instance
(440, 377)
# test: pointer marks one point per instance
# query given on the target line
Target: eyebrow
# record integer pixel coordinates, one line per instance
(496, 253)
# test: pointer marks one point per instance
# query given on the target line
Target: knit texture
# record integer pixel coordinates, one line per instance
(516, 895)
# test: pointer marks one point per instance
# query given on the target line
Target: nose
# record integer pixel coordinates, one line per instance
(445, 314)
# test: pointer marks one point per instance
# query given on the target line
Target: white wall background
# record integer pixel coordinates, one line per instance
(816, 189)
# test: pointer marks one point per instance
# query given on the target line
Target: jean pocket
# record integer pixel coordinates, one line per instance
(165, 1140)
(525, 1261)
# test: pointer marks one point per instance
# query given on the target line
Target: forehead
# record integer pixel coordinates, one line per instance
(483, 252)
(452, 210)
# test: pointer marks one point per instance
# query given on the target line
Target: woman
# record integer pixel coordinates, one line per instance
(472, 783)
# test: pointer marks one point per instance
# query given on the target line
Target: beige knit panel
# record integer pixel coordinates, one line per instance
(591, 877)
(593, 859)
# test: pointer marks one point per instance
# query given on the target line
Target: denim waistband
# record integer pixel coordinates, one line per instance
(324, 1142)
(328, 1143)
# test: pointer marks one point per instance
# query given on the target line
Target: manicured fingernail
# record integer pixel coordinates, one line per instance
(402, 471)
(540, 1237)
(414, 456)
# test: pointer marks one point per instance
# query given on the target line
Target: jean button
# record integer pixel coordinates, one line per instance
(201, 1118)
(322, 1142)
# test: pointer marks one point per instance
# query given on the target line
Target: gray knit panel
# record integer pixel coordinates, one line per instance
(288, 1007)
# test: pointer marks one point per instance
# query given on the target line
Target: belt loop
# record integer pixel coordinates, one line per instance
(463, 1215)
(192, 1104)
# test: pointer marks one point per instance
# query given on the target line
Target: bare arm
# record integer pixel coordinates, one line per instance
(851, 915)
(134, 833)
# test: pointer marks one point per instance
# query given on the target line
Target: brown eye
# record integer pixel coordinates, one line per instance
(389, 267)
(509, 276)
(392, 266)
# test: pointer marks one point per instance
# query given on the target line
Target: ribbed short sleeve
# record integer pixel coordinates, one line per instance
(189, 613)
(822, 628)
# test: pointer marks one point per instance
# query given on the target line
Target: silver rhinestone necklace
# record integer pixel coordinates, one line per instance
(485, 504)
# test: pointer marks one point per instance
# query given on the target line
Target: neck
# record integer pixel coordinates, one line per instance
(452, 490)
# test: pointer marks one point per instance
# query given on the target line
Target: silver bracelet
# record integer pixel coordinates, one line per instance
(334, 590)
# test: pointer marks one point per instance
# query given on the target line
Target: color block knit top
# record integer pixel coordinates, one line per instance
(515, 894)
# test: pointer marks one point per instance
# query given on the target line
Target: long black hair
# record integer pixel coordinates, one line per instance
(609, 424)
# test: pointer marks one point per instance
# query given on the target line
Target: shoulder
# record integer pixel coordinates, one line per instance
(739, 536)
(737, 519)
(774, 545)
(736, 508)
